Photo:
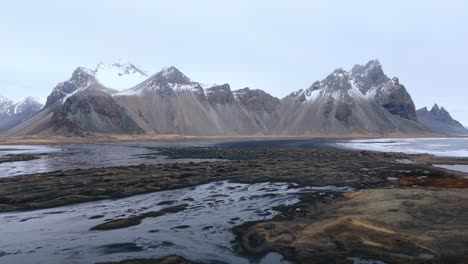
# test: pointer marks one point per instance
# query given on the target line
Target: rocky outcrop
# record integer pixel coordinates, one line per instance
(220, 94)
(372, 82)
(257, 100)
(91, 111)
(439, 120)
(81, 78)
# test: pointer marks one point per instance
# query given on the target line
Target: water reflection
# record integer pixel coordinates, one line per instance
(83, 156)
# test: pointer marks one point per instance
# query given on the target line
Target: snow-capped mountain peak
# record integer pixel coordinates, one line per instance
(120, 75)
(169, 80)
(363, 83)
(172, 75)
(81, 79)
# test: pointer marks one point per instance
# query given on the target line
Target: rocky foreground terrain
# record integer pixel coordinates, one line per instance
(402, 209)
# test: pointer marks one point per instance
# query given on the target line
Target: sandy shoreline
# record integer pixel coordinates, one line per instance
(96, 138)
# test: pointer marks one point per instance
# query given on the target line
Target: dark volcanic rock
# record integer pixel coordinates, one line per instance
(81, 78)
(220, 94)
(397, 100)
(136, 220)
(369, 75)
(392, 95)
(91, 111)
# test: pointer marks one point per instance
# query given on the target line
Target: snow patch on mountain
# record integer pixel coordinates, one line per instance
(169, 78)
(184, 87)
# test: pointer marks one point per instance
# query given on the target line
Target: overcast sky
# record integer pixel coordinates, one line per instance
(277, 46)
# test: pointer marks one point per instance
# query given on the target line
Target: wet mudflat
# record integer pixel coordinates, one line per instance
(401, 206)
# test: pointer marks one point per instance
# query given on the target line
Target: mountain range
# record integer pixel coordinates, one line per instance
(439, 120)
(12, 113)
(123, 98)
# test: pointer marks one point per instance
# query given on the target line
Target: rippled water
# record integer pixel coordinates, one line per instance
(444, 147)
(201, 232)
(82, 156)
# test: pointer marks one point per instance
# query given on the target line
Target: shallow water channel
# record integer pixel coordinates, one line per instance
(201, 232)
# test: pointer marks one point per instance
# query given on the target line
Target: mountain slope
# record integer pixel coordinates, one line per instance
(78, 106)
(171, 103)
(91, 111)
(263, 108)
(439, 120)
(11, 113)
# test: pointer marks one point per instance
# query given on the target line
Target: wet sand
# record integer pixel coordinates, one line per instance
(403, 207)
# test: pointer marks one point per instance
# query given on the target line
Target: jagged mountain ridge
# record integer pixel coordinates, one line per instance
(12, 113)
(171, 103)
(439, 120)
(372, 82)
(363, 100)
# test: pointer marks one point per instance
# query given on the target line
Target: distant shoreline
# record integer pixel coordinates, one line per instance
(96, 138)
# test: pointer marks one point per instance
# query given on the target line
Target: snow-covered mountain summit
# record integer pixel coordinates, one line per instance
(116, 76)
(363, 82)
(81, 79)
(120, 75)
(167, 81)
